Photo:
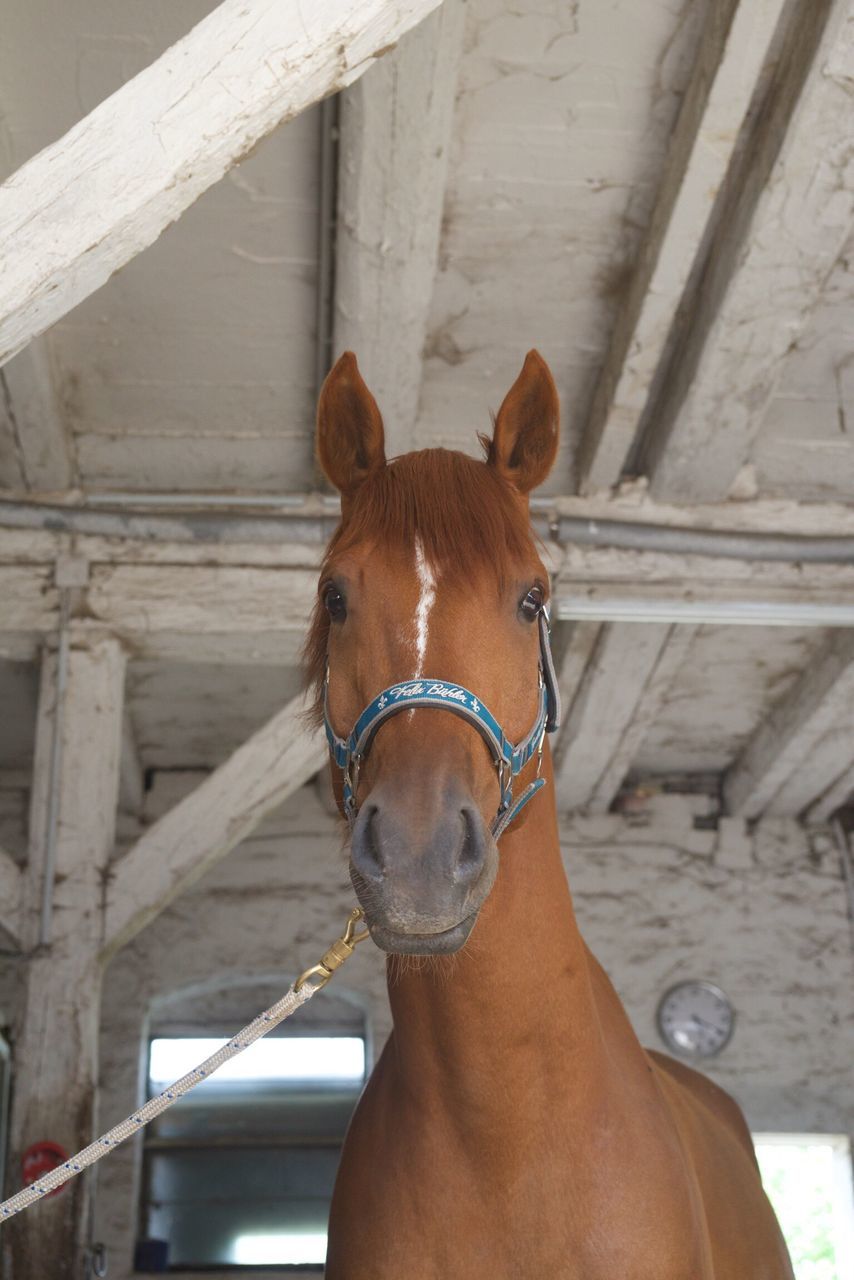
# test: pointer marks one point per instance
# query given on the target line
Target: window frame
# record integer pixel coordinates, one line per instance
(152, 1145)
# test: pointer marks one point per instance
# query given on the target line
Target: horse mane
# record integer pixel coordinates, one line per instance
(463, 511)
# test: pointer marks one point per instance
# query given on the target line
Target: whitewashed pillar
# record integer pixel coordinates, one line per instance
(55, 1051)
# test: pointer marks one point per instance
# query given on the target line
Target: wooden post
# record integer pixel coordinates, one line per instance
(56, 1039)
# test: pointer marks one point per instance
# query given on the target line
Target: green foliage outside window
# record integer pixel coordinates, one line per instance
(799, 1181)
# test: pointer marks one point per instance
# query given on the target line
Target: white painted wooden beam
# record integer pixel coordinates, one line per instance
(88, 783)
(620, 694)
(29, 600)
(201, 599)
(228, 614)
(804, 743)
(57, 1031)
(839, 792)
(211, 821)
(32, 421)
(731, 55)
(785, 216)
(85, 206)
(11, 880)
(395, 139)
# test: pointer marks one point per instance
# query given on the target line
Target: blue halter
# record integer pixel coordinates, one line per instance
(510, 760)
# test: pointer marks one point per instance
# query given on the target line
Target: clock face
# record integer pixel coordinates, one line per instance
(695, 1019)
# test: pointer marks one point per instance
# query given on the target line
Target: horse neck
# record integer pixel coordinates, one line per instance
(517, 1001)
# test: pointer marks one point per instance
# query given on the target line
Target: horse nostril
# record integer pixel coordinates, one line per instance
(472, 852)
(365, 849)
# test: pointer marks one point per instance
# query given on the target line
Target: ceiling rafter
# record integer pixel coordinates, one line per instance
(89, 203)
(395, 143)
(620, 693)
(780, 225)
(732, 52)
(208, 823)
(804, 746)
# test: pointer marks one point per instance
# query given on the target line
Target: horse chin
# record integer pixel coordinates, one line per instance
(423, 944)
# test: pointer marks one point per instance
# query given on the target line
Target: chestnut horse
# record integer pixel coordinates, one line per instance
(513, 1127)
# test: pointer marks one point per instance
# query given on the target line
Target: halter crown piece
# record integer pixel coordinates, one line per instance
(510, 760)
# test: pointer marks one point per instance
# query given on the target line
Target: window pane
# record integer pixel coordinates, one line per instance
(316, 1058)
(203, 1202)
(240, 1171)
(808, 1180)
(295, 1249)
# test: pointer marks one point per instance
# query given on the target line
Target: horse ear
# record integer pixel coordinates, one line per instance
(350, 437)
(524, 443)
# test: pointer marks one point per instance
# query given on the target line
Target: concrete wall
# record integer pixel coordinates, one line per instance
(763, 915)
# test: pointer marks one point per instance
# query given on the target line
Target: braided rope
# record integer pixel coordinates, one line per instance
(289, 1003)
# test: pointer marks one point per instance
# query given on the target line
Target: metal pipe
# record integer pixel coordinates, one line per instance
(296, 524)
(606, 604)
(185, 526)
(52, 820)
(721, 544)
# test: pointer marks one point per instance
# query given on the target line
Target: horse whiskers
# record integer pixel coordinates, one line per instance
(441, 968)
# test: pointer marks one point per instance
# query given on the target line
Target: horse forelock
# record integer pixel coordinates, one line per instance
(459, 511)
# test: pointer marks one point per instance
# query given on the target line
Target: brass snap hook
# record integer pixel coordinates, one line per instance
(340, 951)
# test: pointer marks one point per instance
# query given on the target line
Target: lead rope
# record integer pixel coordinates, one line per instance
(307, 984)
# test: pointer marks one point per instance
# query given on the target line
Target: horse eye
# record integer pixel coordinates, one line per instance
(334, 603)
(531, 605)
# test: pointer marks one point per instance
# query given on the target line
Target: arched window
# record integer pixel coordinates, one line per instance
(240, 1172)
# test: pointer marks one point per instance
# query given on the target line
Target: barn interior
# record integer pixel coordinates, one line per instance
(659, 197)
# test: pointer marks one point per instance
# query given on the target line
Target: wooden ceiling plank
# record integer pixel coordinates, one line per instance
(396, 125)
(787, 742)
(225, 613)
(785, 215)
(608, 697)
(11, 881)
(671, 658)
(90, 202)
(35, 417)
(835, 796)
(131, 772)
(204, 827)
(732, 52)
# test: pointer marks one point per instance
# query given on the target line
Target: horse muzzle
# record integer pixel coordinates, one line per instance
(421, 880)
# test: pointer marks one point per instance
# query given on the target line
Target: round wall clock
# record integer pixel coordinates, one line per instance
(695, 1019)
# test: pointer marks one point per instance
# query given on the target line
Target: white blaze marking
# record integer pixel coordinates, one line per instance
(427, 599)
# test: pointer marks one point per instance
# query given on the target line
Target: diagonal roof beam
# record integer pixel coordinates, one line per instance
(89, 203)
(208, 823)
(395, 138)
(838, 793)
(783, 219)
(732, 51)
(804, 746)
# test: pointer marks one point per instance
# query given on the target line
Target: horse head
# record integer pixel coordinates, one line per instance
(429, 601)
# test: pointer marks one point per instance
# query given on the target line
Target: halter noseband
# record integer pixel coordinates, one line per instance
(510, 760)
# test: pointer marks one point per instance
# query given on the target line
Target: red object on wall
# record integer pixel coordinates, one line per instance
(42, 1158)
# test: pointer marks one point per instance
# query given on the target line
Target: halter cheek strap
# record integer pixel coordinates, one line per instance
(509, 759)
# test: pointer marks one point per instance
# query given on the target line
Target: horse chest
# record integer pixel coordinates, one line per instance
(416, 1199)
